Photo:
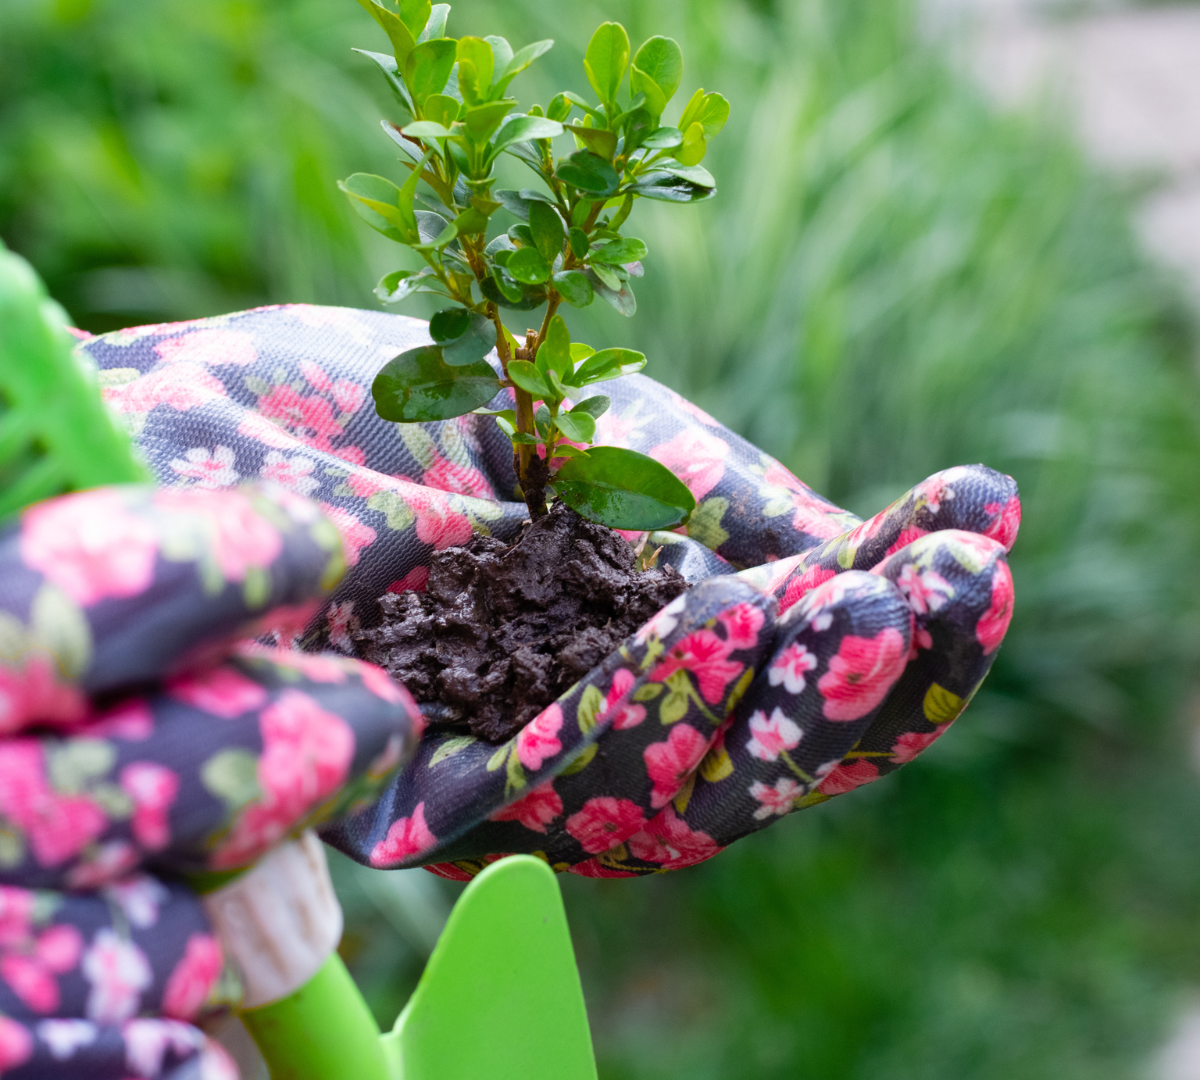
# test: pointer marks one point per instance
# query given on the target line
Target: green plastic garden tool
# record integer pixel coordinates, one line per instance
(55, 433)
(500, 998)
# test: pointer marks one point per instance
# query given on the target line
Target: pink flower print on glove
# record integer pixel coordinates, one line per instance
(861, 673)
(89, 545)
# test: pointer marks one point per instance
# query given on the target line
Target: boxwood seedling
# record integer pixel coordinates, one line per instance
(567, 245)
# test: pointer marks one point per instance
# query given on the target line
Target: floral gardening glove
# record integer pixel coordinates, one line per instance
(814, 654)
(139, 740)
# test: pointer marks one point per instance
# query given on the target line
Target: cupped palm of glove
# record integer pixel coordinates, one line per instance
(814, 653)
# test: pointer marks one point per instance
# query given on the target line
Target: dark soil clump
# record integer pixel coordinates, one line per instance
(501, 631)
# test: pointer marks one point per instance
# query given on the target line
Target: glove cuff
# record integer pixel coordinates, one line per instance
(280, 921)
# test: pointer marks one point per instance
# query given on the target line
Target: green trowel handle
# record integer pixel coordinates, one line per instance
(55, 433)
(324, 1031)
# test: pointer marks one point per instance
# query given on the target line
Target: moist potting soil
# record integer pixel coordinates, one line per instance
(502, 630)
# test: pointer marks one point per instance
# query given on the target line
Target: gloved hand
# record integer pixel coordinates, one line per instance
(139, 740)
(842, 654)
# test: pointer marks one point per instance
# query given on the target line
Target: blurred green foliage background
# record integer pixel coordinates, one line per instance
(892, 280)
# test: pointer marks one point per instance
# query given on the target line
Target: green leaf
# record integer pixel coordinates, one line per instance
(448, 324)
(442, 109)
(663, 139)
(622, 299)
(520, 62)
(436, 25)
(670, 188)
(419, 385)
(648, 91)
(522, 129)
(598, 140)
(588, 172)
(529, 379)
(517, 202)
(580, 351)
(709, 110)
(714, 111)
(559, 108)
(691, 111)
(565, 451)
(573, 286)
(616, 252)
(547, 229)
(434, 230)
(391, 73)
(475, 68)
(513, 203)
(529, 154)
(410, 149)
(578, 427)
(502, 54)
(624, 490)
(427, 68)
(579, 102)
(595, 406)
(504, 281)
(581, 211)
(471, 222)
(693, 174)
(608, 364)
(482, 121)
(694, 145)
(606, 59)
(428, 129)
(402, 38)
(608, 276)
(415, 14)
(578, 240)
(520, 234)
(378, 202)
(503, 289)
(400, 284)
(637, 104)
(458, 155)
(660, 60)
(554, 354)
(528, 266)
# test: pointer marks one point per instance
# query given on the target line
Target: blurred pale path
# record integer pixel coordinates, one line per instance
(1130, 81)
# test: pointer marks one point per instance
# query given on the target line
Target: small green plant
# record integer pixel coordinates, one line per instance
(567, 245)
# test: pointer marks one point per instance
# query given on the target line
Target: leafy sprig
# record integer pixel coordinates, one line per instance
(567, 245)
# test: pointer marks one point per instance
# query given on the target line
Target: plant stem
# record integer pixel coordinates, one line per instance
(532, 471)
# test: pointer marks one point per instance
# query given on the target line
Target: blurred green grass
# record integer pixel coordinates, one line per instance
(893, 280)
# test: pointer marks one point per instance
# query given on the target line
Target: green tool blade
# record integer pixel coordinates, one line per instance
(56, 435)
(500, 998)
